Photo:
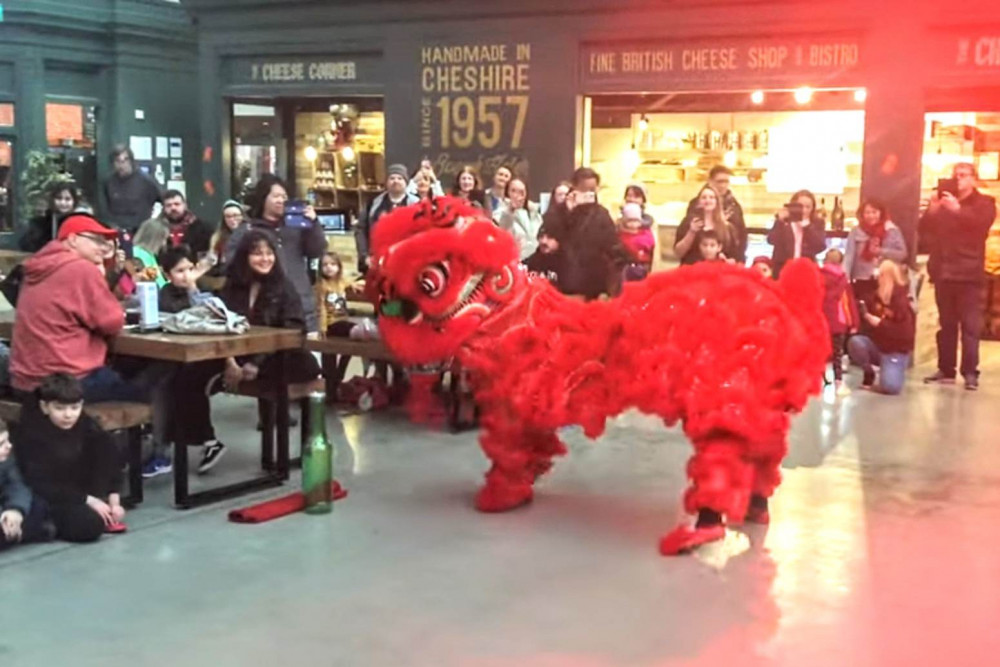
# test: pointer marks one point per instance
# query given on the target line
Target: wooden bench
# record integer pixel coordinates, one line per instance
(111, 417)
(268, 398)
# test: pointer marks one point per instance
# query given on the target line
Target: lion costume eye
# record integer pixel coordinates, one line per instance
(433, 279)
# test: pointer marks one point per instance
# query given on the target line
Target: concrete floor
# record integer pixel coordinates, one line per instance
(882, 551)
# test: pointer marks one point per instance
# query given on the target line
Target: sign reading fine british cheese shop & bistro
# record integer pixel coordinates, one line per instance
(704, 64)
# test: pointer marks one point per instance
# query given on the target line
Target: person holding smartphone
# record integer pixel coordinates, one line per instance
(798, 231)
(295, 232)
(954, 230)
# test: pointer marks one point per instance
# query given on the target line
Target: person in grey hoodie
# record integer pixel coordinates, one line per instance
(297, 245)
(395, 195)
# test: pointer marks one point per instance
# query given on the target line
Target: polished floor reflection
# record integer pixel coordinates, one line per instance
(882, 551)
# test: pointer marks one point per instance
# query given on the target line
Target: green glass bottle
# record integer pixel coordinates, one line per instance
(317, 460)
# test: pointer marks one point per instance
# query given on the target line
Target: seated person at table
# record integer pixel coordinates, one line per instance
(182, 291)
(69, 461)
(65, 316)
(331, 306)
(22, 517)
(256, 287)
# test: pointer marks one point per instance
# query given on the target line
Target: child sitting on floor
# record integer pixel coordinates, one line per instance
(181, 292)
(69, 461)
(22, 518)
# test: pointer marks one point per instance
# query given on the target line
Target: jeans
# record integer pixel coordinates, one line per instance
(892, 365)
(960, 304)
(136, 381)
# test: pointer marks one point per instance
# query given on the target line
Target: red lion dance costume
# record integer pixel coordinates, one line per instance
(718, 347)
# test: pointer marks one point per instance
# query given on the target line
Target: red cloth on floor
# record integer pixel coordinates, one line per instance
(279, 507)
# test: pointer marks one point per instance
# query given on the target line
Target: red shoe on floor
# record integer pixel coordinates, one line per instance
(115, 528)
(685, 538)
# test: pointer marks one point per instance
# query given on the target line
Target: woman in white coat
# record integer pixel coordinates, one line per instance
(520, 217)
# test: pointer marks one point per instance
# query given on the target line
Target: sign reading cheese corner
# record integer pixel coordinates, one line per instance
(475, 102)
(704, 64)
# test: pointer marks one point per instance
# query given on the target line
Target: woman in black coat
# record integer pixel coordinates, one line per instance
(257, 288)
(797, 231)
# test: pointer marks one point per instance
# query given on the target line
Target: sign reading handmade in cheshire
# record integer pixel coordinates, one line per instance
(475, 105)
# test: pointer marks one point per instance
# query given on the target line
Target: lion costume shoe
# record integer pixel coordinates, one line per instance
(717, 347)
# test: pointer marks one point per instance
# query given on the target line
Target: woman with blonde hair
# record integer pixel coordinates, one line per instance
(707, 215)
(149, 241)
(889, 333)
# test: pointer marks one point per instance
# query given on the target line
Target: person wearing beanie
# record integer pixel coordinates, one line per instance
(638, 240)
(763, 265)
(635, 193)
(395, 195)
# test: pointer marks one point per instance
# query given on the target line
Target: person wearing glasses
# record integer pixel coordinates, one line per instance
(66, 314)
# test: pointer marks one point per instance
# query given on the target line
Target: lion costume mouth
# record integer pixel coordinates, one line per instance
(472, 300)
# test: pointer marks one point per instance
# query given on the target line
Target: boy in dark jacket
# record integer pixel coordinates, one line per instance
(22, 518)
(181, 292)
(840, 309)
(69, 461)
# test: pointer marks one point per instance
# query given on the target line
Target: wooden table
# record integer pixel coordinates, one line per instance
(11, 258)
(185, 349)
(366, 349)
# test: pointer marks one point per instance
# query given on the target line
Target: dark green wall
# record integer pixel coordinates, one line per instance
(121, 55)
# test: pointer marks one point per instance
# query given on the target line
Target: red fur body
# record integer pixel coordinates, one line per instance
(718, 348)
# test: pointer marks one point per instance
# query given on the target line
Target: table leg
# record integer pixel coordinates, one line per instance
(181, 498)
(282, 416)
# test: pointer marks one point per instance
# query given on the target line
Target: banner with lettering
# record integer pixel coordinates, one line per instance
(966, 55)
(349, 70)
(705, 64)
(475, 107)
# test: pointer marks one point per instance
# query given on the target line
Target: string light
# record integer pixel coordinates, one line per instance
(643, 123)
(347, 153)
(803, 95)
(860, 95)
(757, 97)
(311, 153)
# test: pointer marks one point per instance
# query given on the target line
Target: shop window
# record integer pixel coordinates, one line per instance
(71, 135)
(256, 143)
(963, 136)
(339, 156)
(6, 114)
(775, 142)
(6, 183)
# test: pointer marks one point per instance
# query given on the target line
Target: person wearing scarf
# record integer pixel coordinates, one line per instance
(875, 239)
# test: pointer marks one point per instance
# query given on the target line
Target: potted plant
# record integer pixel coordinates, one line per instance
(41, 173)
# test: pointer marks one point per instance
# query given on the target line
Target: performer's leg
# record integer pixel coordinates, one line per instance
(721, 482)
(519, 457)
(766, 478)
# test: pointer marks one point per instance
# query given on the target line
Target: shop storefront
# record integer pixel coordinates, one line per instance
(783, 114)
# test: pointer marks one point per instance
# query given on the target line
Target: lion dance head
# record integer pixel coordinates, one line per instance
(440, 268)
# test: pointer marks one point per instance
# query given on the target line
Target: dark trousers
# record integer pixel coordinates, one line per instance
(192, 410)
(135, 380)
(76, 523)
(960, 307)
(31, 527)
(837, 356)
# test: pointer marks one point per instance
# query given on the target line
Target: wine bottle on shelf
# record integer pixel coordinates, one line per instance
(838, 215)
(317, 460)
(821, 209)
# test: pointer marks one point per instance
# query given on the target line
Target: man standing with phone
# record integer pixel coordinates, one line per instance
(954, 231)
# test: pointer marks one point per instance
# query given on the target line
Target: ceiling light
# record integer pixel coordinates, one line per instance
(860, 95)
(757, 97)
(803, 95)
(311, 153)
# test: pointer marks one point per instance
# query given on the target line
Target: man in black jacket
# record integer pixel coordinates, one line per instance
(128, 196)
(954, 229)
(185, 227)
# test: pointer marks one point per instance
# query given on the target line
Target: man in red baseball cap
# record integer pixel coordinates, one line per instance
(65, 311)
